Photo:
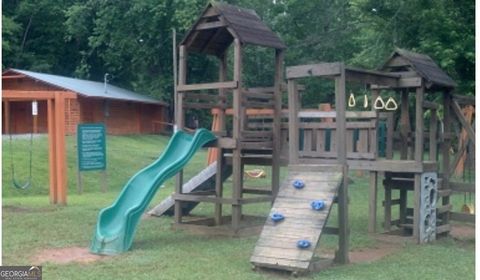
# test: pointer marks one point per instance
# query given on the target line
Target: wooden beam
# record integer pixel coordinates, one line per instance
(60, 155)
(180, 122)
(277, 99)
(218, 85)
(372, 206)
(52, 151)
(468, 127)
(237, 128)
(293, 105)
(210, 25)
(35, 95)
(464, 100)
(371, 77)
(222, 76)
(343, 224)
(313, 70)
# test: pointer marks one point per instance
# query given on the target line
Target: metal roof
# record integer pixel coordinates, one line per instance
(87, 88)
(240, 23)
(424, 66)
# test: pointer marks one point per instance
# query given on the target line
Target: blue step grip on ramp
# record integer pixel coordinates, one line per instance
(303, 244)
(277, 217)
(318, 205)
(298, 184)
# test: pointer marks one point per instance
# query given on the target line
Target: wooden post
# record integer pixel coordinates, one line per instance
(60, 156)
(277, 115)
(52, 150)
(433, 135)
(179, 118)
(343, 231)
(387, 220)
(293, 105)
(419, 124)
(390, 132)
(447, 142)
(219, 155)
(372, 206)
(237, 128)
(404, 125)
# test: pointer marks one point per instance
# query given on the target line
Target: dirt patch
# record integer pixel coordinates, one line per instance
(463, 231)
(380, 251)
(66, 255)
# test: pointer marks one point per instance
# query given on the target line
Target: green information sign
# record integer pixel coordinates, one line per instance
(91, 146)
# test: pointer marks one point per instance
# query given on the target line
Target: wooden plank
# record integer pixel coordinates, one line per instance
(204, 96)
(324, 69)
(333, 114)
(277, 263)
(218, 85)
(209, 25)
(444, 208)
(332, 125)
(465, 125)
(462, 187)
(443, 228)
(462, 217)
(196, 105)
(35, 95)
(464, 100)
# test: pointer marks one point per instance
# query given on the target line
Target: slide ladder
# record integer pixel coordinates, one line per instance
(116, 224)
(278, 245)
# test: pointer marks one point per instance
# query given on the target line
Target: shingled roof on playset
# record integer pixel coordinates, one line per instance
(221, 23)
(423, 65)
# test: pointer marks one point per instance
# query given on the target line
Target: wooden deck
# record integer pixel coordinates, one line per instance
(277, 245)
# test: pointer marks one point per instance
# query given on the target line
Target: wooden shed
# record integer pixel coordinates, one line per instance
(123, 111)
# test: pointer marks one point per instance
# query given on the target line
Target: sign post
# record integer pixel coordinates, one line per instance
(91, 148)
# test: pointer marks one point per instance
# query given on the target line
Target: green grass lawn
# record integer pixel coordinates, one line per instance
(31, 224)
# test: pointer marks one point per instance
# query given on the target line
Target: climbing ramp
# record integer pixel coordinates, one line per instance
(202, 182)
(293, 222)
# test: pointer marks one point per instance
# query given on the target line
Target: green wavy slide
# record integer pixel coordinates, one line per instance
(116, 224)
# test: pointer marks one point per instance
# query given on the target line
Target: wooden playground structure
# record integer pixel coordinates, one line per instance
(319, 146)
